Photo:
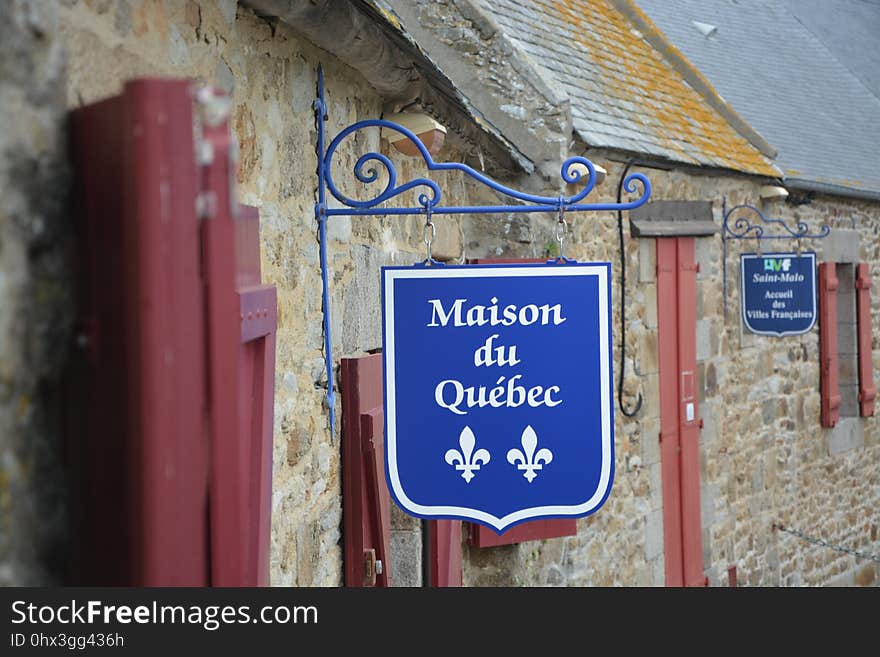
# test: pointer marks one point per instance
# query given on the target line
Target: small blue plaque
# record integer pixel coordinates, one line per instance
(778, 292)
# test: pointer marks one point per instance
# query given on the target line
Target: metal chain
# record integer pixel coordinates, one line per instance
(429, 232)
(819, 541)
(561, 229)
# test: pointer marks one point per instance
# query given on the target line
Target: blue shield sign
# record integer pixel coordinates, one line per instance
(778, 292)
(498, 390)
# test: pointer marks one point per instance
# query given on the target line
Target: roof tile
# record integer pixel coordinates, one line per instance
(624, 94)
(808, 97)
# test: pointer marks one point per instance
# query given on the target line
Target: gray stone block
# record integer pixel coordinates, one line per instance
(709, 432)
(339, 228)
(848, 370)
(650, 305)
(841, 245)
(647, 260)
(848, 434)
(648, 360)
(406, 558)
(658, 571)
(704, 342)
(655, 473)
(654, 535)
(650, 430)
(849, 400)
(847, 339)
(707, 508)
(706, 257)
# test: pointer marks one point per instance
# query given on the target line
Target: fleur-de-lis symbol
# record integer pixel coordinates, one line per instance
(529, 462)
(467, 460)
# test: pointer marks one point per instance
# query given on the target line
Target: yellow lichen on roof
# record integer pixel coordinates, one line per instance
(668, 109)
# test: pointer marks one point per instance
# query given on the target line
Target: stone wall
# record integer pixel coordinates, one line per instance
(35, 307)
(764, 458)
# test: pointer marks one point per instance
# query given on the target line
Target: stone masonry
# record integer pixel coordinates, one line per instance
(764, 458)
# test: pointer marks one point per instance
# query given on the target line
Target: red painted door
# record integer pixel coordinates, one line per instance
(679, 412)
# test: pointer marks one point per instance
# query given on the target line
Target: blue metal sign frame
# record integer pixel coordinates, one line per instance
(481, 421)
(430, 201)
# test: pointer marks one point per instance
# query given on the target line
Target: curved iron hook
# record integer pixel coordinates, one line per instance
(634, 412)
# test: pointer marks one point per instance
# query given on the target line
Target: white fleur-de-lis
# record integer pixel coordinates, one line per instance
(467, 460)
(529, 462)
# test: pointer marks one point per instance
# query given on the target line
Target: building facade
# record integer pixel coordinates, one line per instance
(514, 107)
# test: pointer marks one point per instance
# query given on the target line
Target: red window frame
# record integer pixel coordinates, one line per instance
(829, 362)
(867, 388)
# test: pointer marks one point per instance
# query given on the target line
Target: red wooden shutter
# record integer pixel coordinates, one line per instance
(867, 389)
(239, 323)
(142, 442)
(533, 530)
(366, 503)
(171, 390)
(829, 388)
(227, 487)
(257, 313)
(444, 550)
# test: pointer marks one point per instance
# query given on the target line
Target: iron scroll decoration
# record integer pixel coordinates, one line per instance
(745, 229)
(366, 170)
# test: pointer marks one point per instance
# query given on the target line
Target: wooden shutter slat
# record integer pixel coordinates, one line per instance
(228, 473)
(378, 500)
(258, 318)
(828, 358)
(444, 545)
(366, 501)
(867, 389)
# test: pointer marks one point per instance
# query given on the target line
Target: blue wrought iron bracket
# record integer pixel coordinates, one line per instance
(430, 200)
(744, 229)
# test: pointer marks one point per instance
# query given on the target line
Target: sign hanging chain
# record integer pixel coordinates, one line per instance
(429, 233)
(822, 543)
(561, 228)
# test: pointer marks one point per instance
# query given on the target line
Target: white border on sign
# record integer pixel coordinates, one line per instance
(742, 290)
(599, 271)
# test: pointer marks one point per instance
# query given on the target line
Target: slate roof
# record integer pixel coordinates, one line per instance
(785, 68)
(624, 95)
(850, 29)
